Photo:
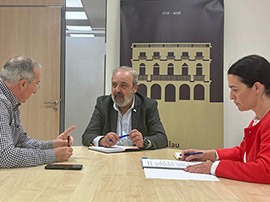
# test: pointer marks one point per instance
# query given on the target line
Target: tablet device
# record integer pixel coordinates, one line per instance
(64, 166)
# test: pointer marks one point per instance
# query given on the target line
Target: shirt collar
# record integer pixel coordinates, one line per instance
(117, 108)
(9, 95)
(255, 121)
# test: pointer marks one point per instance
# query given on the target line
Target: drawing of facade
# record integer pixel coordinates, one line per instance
(173, 72)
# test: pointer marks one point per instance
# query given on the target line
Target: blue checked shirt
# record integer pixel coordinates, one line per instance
(16, 148)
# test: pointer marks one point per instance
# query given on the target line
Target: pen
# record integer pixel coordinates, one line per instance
(120, 137)
(68, 140)
(91, 145)
(188, 154)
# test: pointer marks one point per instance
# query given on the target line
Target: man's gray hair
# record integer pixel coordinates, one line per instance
(18, 68)
(130, 70)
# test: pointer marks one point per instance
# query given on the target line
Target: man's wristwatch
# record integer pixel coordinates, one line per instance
(146, 143)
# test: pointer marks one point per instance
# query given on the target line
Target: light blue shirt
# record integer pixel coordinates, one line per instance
(124, 126)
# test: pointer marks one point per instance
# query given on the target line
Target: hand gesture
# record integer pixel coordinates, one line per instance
(62, 139)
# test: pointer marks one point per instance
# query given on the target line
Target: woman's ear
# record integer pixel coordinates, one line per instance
(258, 87)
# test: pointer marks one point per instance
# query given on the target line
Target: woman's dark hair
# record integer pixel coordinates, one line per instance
(251, 69)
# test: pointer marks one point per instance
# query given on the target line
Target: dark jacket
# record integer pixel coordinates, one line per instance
(145, 118)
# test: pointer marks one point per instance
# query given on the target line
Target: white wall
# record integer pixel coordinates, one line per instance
(112, 40)
(246, 31)
(84, 81)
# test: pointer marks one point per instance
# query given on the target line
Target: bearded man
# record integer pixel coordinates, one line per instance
(125, 117)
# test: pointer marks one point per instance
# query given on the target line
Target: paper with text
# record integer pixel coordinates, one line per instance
(166, 164)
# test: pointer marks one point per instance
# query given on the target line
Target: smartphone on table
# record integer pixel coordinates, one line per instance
(64, 166)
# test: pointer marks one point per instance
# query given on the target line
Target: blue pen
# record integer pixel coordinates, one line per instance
(120, 137)
(188, 154)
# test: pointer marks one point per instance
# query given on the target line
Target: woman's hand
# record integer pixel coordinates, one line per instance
(203, 156)
(203, 168)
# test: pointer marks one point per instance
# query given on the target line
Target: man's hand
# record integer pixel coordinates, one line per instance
(61, 140)
(136, 138)
(109, 140)
(63, 153)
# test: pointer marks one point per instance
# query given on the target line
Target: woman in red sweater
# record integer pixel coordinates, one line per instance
(249, 81)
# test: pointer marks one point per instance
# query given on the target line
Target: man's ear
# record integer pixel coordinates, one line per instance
(135, 88)
(22, 84)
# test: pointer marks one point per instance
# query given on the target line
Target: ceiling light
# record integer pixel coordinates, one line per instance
(82, 35)
(79, 28)
(74, 3)
(75, 15)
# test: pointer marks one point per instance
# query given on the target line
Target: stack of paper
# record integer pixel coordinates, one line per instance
(172, 170)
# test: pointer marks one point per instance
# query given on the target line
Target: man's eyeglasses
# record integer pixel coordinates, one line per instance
(37, 85)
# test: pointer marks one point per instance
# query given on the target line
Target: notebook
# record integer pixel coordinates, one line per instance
(114, 149)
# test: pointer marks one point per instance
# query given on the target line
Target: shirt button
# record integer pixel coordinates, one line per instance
(249, 132)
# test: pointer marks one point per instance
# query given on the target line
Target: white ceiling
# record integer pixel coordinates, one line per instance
(95, 11)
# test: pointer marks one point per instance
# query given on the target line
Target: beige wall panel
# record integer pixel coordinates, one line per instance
(33, 2)
(35, 32)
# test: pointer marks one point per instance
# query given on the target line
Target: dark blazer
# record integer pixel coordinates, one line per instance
(145, 118)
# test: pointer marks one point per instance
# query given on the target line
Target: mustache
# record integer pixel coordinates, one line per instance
(118, 94)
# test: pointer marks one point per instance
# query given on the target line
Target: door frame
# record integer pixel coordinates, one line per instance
(62, 69)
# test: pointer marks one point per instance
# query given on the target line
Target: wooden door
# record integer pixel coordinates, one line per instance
(35, 32)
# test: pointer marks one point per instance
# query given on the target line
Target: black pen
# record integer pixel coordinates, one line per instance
(68, 140)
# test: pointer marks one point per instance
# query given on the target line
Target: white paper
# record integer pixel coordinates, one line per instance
(113, 149)
(167, 164)
(170, 174)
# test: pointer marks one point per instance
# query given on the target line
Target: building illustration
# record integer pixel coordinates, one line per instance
(173, 72)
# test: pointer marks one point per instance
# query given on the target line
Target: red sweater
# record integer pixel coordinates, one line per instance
(257, 147)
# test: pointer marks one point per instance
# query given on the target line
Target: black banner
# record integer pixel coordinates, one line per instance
(176, 21)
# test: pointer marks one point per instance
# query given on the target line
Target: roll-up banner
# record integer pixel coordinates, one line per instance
(176, 46)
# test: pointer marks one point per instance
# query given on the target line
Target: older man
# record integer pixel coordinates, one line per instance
(125, 117)
(19, 79)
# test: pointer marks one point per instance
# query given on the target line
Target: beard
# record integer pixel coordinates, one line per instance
(120, 100)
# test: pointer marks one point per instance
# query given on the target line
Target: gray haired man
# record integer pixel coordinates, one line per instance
(19, 79)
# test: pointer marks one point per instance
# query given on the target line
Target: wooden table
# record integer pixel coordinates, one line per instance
(118, 177)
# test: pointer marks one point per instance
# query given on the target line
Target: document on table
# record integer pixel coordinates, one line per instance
(169, 169)
(166, 164)
(114, 149)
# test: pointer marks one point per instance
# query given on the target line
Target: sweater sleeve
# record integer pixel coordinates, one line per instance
(257, 167)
